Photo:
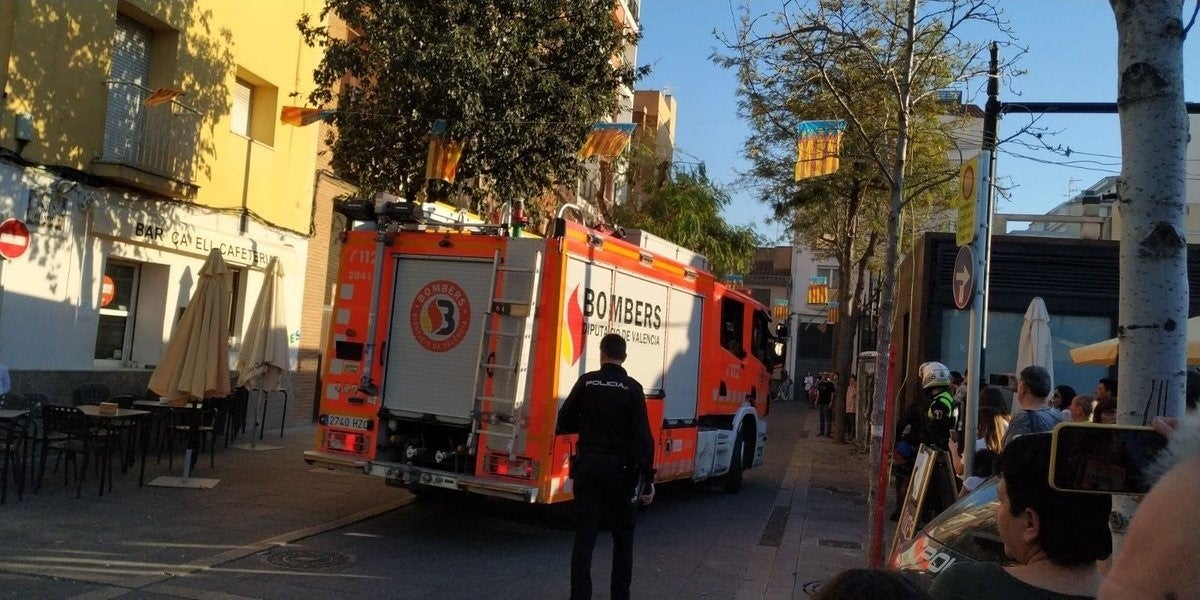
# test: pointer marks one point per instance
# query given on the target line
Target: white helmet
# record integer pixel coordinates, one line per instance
(934, 374)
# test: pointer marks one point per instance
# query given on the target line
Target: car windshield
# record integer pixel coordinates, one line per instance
(969, 525)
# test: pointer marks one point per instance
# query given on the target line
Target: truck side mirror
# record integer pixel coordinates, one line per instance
(781, 330)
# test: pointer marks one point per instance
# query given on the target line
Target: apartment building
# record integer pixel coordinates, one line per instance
(653, 144)
(124, 198)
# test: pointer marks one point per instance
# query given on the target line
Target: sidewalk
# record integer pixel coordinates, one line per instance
(822, 503)
(55, 546)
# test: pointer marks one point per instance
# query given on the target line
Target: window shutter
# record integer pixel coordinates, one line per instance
(240, 114)
(130, 68)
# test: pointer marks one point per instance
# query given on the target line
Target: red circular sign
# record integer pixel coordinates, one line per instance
(14, 238)
(108, 289)
(440, 315)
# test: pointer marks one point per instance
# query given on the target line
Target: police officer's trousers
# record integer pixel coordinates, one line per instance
(603, 494)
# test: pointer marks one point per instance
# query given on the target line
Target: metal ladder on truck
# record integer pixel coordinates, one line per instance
(505, 345)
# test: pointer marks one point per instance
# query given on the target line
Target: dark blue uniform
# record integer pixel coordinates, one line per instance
(607, 408)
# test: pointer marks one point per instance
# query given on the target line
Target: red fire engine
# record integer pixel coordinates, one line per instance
(451, 350)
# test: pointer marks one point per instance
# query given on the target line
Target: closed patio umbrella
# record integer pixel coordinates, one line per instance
(1105, 353)
(195, 363)
(1035, 347)
(264, 356)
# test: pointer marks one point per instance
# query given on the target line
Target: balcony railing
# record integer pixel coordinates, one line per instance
(158, 142)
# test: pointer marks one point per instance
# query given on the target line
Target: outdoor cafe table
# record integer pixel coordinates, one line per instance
(138, 416)
(17, 417)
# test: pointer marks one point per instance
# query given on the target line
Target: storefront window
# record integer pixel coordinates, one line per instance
(118, 290)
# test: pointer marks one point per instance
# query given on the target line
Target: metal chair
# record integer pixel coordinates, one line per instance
(198, 426)
(68, 431)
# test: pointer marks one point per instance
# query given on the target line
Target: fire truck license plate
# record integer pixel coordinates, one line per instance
(348, 422)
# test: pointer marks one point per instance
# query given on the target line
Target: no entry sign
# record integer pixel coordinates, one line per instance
(14, 238)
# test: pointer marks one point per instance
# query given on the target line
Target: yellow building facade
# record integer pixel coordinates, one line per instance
(135, 135)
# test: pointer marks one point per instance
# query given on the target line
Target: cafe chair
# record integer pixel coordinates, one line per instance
(69, 432)
(127, 428)
(197, 423)
(13, 449)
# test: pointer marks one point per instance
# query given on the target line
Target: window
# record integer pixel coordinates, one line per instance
(831, 276)
(130, 74)
(118, 294)
(763, 295)
(732, 316)
(253, 111)
(760, 338)
(243, 98)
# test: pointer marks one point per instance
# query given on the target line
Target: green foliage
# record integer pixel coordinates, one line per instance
(521, 82)
(686, 210)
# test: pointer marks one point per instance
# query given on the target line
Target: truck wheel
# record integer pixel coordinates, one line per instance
(731, 482)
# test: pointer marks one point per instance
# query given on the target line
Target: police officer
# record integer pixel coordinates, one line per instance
(613, 465)
(941, 413)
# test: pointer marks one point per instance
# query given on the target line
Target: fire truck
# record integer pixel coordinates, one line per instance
(452, 347)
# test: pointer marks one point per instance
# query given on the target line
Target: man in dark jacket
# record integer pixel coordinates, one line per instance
(613, 465)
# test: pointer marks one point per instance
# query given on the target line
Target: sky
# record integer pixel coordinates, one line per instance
(1071, 57)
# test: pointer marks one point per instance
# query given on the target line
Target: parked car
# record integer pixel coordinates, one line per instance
(966, 531)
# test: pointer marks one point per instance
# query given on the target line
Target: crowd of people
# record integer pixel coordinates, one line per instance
(1059, 541)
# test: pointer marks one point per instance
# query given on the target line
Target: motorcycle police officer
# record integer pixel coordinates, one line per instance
(613, 457)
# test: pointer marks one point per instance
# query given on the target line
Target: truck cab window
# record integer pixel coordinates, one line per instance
(732, 319)
(760, 338)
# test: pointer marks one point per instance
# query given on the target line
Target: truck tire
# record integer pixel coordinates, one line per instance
(731, 482)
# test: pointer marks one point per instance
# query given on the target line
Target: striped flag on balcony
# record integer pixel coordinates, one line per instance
(606, 140)
(818, 148)
(444, 154)
(162, 96)
(300, 116)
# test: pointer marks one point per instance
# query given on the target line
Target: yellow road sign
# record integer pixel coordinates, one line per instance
(968, 201)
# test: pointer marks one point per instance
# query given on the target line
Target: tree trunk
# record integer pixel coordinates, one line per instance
(1152, 321)
(887, 303)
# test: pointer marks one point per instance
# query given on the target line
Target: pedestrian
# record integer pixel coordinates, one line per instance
(1106, 388)
(1036, 414)
(1105, 411)
(1055, 538)
(612, 468)
(941, 413)
(825, 391)
(851, 406)
(1081, 408)
(1061, 398)
(908, 438)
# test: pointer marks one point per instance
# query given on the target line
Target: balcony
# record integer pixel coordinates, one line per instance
(152, 148)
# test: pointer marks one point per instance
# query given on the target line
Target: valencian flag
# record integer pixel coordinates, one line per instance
(300, 116)
(606, 140)
(162, 96)
(818, 290)
(818, 147)
(444, 153)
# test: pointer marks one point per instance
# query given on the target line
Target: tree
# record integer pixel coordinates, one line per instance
(914, 49)
(686, 210)
(1152, 319)
(520, 82)
(843, 216)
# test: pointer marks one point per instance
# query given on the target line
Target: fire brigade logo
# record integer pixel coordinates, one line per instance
(440, 315)
(573, 346)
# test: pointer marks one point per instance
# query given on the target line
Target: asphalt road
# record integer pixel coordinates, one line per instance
(694, 542)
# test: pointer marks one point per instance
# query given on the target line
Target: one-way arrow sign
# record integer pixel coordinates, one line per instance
(963, 285)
